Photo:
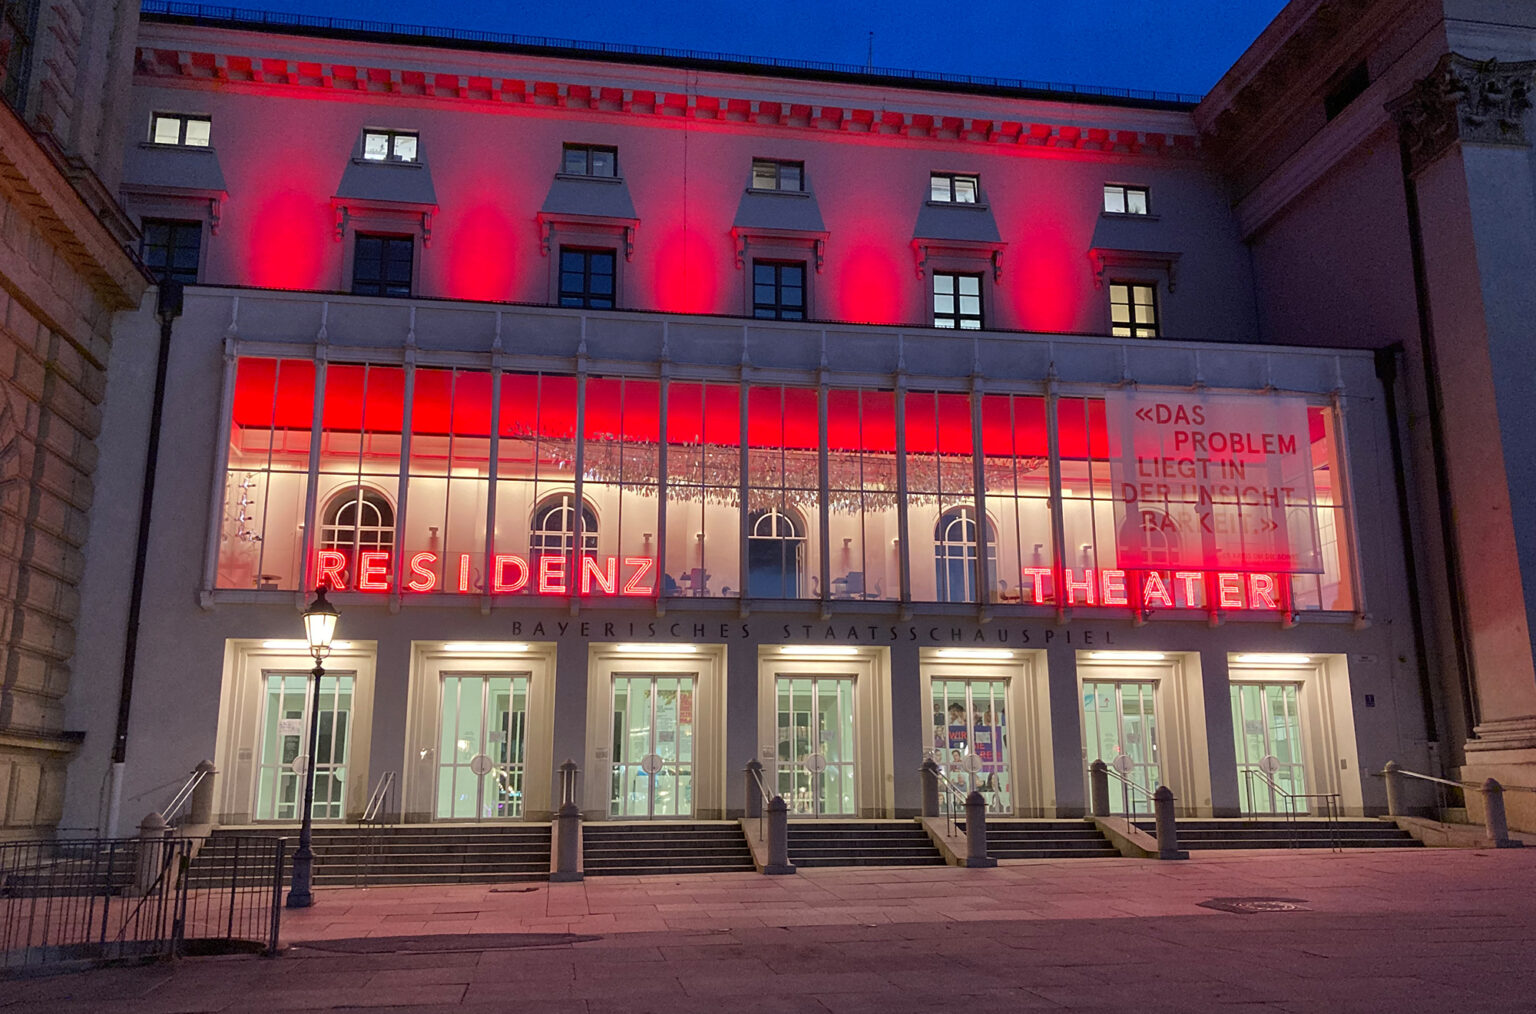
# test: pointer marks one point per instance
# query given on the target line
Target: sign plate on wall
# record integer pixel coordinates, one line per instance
(1212, 482)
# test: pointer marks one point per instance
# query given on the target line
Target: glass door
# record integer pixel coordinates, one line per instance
(1266, 723)
(970, 738)
(652, 746)
(480, 747)
(1120, 720)
(815, 771)
(285, 737)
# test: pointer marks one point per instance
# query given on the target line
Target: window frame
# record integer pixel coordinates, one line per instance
(778, 166)
(181, 119)
(1125, 191)
(391, 137)
(383, 283)
(585, 295)
(950, 179)
(1132, 327)
(777, 308)
(959, 318)
(188, 225)
(587, 151)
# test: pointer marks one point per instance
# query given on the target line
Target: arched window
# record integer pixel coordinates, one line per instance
(553, 529)
(1157, 535)
(954, 554)
(775, 554)
(357, 519)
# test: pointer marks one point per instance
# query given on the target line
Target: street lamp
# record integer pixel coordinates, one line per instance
(319, 628)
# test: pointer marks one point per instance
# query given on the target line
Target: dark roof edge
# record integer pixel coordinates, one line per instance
(172, 13)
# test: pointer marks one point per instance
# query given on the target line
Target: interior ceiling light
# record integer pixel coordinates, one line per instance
(1128, 656)
(657, 649)
(486, 647)
(1272, 658)
(817, 650)
(977, 653)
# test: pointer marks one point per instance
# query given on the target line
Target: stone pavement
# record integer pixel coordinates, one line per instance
(1389, 930)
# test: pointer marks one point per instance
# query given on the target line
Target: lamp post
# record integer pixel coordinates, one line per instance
(319, 628)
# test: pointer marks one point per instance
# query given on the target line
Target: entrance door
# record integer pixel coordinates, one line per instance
(480, 747)
(1267, 723)
(970, 738)
(815, 770)
(285, 737)
(652, 746)
(1120, 720)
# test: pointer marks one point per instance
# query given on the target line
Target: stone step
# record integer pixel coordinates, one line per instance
(908, 859)
(655, 871)
(1100, 852)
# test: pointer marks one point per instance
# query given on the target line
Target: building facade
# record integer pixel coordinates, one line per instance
(663, 414)
(64, 273)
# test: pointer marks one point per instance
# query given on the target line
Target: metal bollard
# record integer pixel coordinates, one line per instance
(754, 774)
(151, 853)
(976, 831)
(567, 843)
(1167, 829)
(778, 837)
(201, 809)
(1098, 783)
(1493, 813)
(930, 777)
(1394, 781)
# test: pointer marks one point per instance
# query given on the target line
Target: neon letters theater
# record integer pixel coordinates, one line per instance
(834, 449)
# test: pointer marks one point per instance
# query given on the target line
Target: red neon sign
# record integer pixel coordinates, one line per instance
(1148, 589)
(510, 573)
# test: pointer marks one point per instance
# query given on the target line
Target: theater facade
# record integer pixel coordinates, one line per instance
(662, 417)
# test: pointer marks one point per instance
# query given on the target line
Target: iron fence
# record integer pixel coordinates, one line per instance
(97, 900)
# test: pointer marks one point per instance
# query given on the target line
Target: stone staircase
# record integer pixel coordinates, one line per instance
(861, 843)
(619, 849)
(1279, 833)
(1046, 839)
(409, 854)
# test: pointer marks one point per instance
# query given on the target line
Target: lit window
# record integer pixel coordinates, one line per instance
(778, 290)
(586, 278)
(1122, 200)
(768, 174)
(186, 131)
(590, 160)
(954, 188)
(553, 530)
(1132, 310)
(357, 520)
(172, 248)
(381, 265)
(955, 556)
(956, 300)
(389, 146)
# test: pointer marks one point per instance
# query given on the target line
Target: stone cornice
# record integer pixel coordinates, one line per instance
(227, 68)
(1478, 101)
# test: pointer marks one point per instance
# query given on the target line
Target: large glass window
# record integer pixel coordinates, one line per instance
(862, 496)
(587, 278)
(957, 301)
(778, 290)
(1334, 587)
(703, 490)
(940, 480)
(364, 414)
(783, 487)
(536, 460)
(261, 533)
(622, 466)
(171, 248)
(1016, 466)
(449, 478)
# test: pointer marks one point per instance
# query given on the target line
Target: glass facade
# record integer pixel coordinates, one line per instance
(457, 481)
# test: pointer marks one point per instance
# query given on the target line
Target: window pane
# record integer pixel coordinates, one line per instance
(764, 176)
(375, 146)
(965, 189)
(575, 161)
(1114, 200)
(405, 147)
(943, 283)
(789, 177)
(198, 132)
(1136, 202)
(762, 274)
(938, 188)
(167, 130)
(970, 285)
(603, 163)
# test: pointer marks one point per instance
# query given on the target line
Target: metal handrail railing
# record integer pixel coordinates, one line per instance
(183, 796)
(1452, 782)
(1126, 783)
(1332, 805)
(372, 823)
(762, 810)
(951, 792)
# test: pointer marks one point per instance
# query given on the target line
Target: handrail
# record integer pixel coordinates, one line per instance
(1452, 782)
(762, 790)
(1124, 781)
(378, 799)
(1333, 808)
(376, 816)
(951, 790)
(183, 796)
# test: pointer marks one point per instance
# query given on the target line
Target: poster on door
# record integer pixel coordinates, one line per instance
(1212, 482)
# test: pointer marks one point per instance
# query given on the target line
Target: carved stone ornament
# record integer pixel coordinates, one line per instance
(1482, 101)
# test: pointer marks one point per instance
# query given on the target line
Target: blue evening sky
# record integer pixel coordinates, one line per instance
(1162, 45)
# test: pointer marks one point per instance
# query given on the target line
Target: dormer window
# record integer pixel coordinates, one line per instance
(389, 145)
(181, 130)
(590, 160)
(954, 188)
(1125, 200)
(772, 174)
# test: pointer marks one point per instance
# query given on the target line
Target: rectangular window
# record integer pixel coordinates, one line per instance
(943, 549)
(178, 129)
(381, 265)
(389, 145)
(954, 188)
(1123, 200)
(590, 160)
(1132, 310)
(770, 174)
(704, 489)
(956, 300)
(586, 278)
(778, 290)
(172, 248)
